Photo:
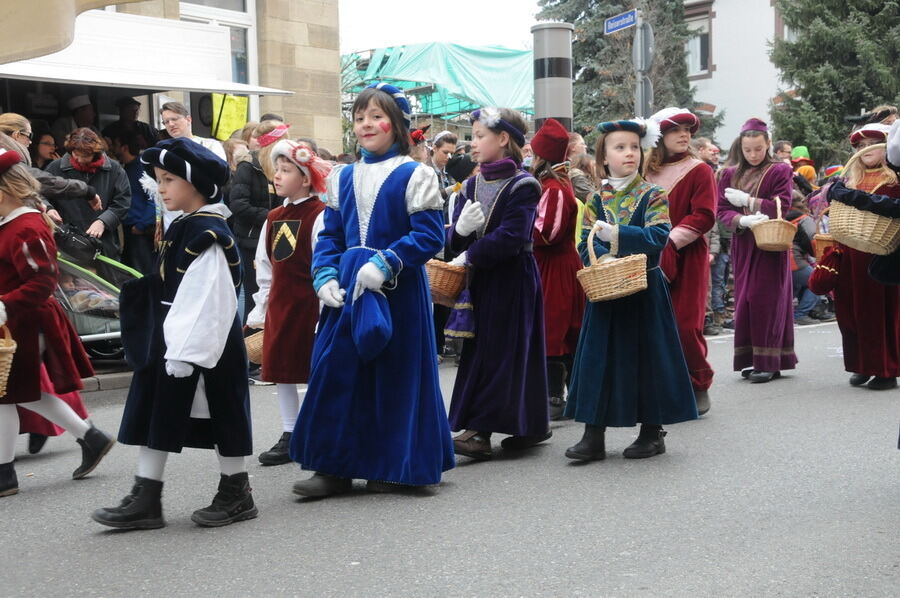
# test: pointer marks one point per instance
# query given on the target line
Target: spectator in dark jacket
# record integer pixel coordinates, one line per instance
(140, 222)
(250, 198)
(86, 160)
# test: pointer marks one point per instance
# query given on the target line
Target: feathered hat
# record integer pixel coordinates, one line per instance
(871, 131)
(8, 159)
(302, 156)
(668, 118)
(646, 129)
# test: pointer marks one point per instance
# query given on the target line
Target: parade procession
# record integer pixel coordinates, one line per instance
(521, 298)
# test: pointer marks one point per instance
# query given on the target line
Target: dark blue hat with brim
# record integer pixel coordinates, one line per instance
(622, 125)
(189, 160)
(370, 324)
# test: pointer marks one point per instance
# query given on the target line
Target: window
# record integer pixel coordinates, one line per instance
(239, 54)
(697, 47)
(238, 5)
(698, 17)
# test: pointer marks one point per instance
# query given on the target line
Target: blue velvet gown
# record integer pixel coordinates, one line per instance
(382, 419)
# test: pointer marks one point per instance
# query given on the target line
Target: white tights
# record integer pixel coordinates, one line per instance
(50, 407)
(289, 402)
(152, 463)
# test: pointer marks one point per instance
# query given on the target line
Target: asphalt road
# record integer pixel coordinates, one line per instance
(785, 489)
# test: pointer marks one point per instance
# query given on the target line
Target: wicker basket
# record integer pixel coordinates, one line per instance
(254, 344)
(446, 282)
(774, 235)
(7, 351)
(821, 242)
(613, 279)
(864, 231)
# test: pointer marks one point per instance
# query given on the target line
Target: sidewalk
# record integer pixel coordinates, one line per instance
(108, 375)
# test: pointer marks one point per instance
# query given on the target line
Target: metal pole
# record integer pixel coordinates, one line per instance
(553, 73)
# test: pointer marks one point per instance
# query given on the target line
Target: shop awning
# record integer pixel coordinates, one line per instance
(37, 27)
(140, 55)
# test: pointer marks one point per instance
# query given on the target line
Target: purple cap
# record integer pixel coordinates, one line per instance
(754, 124)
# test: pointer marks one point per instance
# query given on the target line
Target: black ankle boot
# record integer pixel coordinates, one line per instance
(9, 483)
(35, 443)
(649, 443)
(142, 509)
(591, 447)
(233, 502)
(278, 454)
(556, 380)
(94, 447)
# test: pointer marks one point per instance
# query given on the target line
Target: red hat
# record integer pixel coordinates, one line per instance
(669, 118)
(551, 142)
(306, 160)
(8, 159)
(870, 131)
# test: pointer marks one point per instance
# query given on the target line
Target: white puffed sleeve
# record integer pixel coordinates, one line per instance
(197, 325)
(332, 184)
(257, 317)
(423, 192)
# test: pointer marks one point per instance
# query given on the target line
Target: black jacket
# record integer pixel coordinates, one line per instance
(249, 200)
(111, 184)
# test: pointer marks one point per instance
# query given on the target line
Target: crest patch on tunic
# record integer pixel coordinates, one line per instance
(284, 243)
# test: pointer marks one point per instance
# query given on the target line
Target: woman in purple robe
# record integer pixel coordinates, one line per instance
(763, 310)
(501, 385)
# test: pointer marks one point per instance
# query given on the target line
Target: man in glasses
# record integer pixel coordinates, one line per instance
(178, 123)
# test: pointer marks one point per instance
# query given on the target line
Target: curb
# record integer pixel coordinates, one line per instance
(112, 381)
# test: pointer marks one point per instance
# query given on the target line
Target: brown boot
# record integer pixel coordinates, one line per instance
(474, 444)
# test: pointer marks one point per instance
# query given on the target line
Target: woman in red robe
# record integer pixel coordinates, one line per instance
(692, 194)
(557, 258)
(868, 312)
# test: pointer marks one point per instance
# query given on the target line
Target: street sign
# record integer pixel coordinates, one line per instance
(642, 50)
(620, 22)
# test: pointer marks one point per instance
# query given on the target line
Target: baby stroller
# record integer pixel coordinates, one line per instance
(88, 290)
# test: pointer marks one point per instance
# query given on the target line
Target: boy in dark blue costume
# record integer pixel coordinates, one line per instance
(183, 338)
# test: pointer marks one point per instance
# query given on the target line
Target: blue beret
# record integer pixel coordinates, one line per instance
(399, 99)
(622, 125)
(370, 324)
(189, 160)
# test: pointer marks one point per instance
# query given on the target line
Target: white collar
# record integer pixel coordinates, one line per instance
(16, 213)
(296, 201)
(620, 183)
(216, 208)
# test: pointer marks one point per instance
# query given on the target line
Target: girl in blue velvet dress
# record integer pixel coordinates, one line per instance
(373, 408)
(629, 367)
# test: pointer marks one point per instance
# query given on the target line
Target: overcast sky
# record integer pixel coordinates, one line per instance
(368, 24)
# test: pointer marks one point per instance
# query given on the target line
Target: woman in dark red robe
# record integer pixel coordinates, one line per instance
(868, 312)
(692, 195)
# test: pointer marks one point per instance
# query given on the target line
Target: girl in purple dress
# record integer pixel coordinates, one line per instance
(501, 385)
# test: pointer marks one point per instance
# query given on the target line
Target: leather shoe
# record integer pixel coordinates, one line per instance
(517, 443)
(321, 485)
(859, 379)
(473, 444)
(591, 447)
(702, 397)
(757, 377)
(649, 443)
(877, 383)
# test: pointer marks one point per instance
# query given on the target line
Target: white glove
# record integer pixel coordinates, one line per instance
(332, 294)
(737, 198)
(369, 278)
(893, 144)
(471, 218)
(3, 313)
(459, 260)
(178, 369)
(748, 221)
(604, 230)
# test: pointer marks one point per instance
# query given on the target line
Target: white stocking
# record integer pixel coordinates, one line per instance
(289, 402)
(9, 430)
(151, 463)
(58, 411)
(230, 465)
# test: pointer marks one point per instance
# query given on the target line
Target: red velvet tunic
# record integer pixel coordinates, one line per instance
(558, 263)
(293, 307)
(692, 194)
(28, 275)
(868, 312)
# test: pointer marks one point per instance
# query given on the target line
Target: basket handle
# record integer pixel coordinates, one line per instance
(860, 153)
(7, 335)
(591, 253)
(778, 207)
